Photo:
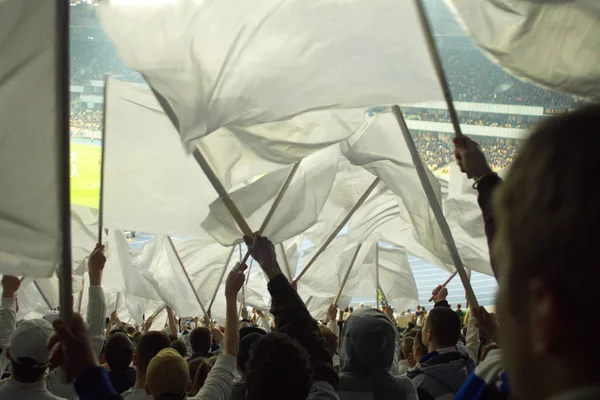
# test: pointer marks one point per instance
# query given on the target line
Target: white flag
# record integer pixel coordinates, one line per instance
(225, 63)
(518, 34)
(30, 138)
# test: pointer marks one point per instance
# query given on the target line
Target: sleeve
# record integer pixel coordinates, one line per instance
(293, 319)
(56, 383)
(219, 380)
(8, 323)
(334, 327)
(472, 340)
(96, 317)
(485, 189)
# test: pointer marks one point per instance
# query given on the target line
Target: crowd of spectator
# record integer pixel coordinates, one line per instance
(492, 120)
(85, 119)
(436, 153)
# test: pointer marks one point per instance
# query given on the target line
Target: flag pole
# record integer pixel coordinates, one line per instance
(80, 295)
(280, 194)
(383, 296)
(65, 272)
(435, 206)
(214, 296)
(187, 276)
(377, 274)
(102, 153)
(339, 293)
(437, 64)
(285, 262)
(117, 301)
(337, 230)
(41, 292)
(444, 284)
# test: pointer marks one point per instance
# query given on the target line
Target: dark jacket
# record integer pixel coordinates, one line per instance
(122, 380)
(440, 375)
(293, 319)
(367, 344)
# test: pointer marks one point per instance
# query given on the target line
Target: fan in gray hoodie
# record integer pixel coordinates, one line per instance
(367, 345)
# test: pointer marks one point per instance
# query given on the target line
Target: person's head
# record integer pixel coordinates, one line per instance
(200, 375)
(180, 346)
(458, 306)
(419, 349)
(130, 330)
(148, 347)
(331, 340)
(367, 342)
(279, 367)
(441, 328)
(407, 351)
(201, 340)
(545, 252)
(118, 351)
(246, 343)
(418, 308)
(168, 376)
(27, 352)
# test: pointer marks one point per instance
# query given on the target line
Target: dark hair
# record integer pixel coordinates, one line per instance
(201, 340)
(279, 367)
(444, 324)
(27, 370)
(418, 341)
(180, 346)
(244, 350)
(406, 347)
(458, 306)
(148, 347)
(118, 351)
(130, 330)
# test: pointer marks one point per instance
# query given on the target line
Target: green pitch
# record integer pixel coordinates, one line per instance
(85, 189)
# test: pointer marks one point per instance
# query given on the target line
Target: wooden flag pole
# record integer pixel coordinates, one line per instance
(214, 296)
(337, 230)
(103, 151)
(187, 276)
(80, 295)
(339, 293)
(383, 297)
(223, 195)
(158, 311)
(63, 147)
(445, 283)
(39, 289)
(435, 206)
(437, 64)
(117, 301)
(280, 194)
(377, 274)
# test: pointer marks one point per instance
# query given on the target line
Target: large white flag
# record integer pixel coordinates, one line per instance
(30, 138)
(518, 34)
(158, 263)
(237, 63)
(298, 210)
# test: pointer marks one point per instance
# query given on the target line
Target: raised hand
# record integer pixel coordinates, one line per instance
(235, 281)
(96, 265)
(485, 322)
(332, 311)
(469, 158)
(440, 293)
(10, 285)
(263, 251)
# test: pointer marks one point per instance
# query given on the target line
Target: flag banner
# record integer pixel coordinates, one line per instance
(298, 210)
(233, 63)
(31, 303)
(518, 34)
(84, 234)
(158, 263)
(30, 139)
(396, 278)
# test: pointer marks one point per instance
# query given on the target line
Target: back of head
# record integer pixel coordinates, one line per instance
(200, 375)
(180, 346)
(545, 249)
(419, 349)
(246, 344)
(367, 342)
(201, 340)
(118, 351)
(148, 346)
(28, 351)
(168, 377)
(279, 367)
(331, 340)
(441, 328)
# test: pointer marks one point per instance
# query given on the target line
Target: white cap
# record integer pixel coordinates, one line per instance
(30, 340)
(51, 316)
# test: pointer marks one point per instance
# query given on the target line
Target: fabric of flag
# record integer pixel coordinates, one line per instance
(30, 139)
(518, 34)
(233, 63)
(298, 210)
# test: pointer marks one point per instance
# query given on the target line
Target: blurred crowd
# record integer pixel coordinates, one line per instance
(85, 119)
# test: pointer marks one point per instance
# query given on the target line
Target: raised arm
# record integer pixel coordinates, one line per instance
(471, 160)
(96, 311)
(8, 316)
(291, 315)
